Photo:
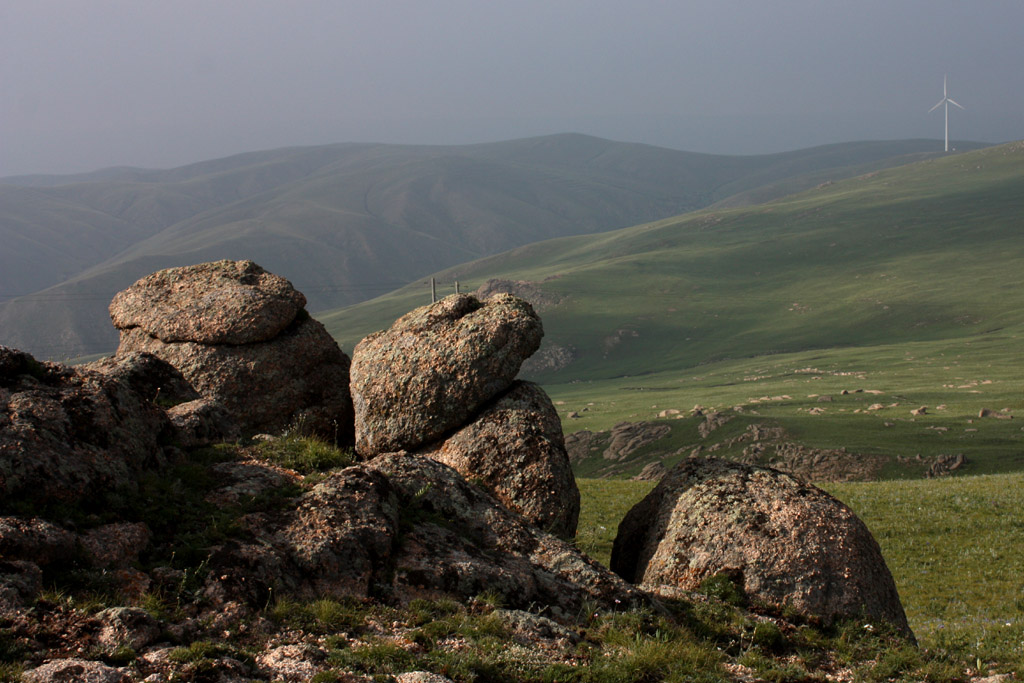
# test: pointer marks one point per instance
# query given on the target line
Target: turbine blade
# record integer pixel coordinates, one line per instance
(954, 102)
(942, 102)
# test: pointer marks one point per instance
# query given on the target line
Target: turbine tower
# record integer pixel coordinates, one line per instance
(945, 101)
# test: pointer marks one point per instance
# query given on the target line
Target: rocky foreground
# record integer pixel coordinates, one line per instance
(231, 497)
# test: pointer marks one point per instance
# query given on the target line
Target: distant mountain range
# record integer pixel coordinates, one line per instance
(348, 222)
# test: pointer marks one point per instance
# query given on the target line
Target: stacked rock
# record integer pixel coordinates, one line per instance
(241, 337)
(440, 382)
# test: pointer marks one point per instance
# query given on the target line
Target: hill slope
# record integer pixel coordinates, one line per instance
(905, 281)
(347, 222)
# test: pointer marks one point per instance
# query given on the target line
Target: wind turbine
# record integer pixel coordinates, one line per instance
(945, 101)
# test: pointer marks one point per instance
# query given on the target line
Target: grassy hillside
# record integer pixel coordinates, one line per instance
(348, 222)
(904, 281)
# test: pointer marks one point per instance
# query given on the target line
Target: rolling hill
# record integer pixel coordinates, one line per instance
(349, 222)
(906, 281)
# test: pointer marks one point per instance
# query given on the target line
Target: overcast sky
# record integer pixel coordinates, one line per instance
(86, 84)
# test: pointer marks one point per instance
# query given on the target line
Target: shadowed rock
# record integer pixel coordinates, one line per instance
(67, 433)
(223, 302)
(240, 337)
(790, 543)
(436, 367)
(515, 450)
(461, 542)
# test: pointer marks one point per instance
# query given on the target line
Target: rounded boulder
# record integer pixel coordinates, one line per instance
(787, 543)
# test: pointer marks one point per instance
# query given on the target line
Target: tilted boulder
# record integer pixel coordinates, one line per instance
(68, 433)
(516, 451)
(787, 542)
(240, 336)
(436, 367)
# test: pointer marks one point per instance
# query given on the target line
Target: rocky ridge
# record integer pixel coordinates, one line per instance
(458, 488)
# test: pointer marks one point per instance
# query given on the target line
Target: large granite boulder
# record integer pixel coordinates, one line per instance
(436, 367)
(223, 302)
(787, 542)
(68, 433)
(240, 336)
(515, 450)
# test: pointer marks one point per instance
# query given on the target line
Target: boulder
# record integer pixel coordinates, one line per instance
(153, 378)
(223, 302)
(202, 422)
(515, 450)
(436, 367)
(787, 542)
(79, 670)
(68, 433)
(458, 541)
(240, 336)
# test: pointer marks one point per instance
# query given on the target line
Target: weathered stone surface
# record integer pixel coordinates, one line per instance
(36, 540)
(202, 422)
(435, 367)
(20, 583)
(299, 378)
(291, 662)
(223, 302)
(515, 450)
(460, 542)
(67, 433)
(652, 471)
(126, 627)
(153, 378)
(341, 534)
(335, 541)
(791, 543)
(75, 671)
(117, 545)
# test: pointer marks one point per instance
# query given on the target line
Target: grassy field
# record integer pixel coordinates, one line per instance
(904, 282)
(955, 547)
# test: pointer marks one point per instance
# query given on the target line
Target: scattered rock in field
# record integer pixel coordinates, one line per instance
(945, 465)
(789, 543)
(668, 412)
(712, 421)
(876, 406)
(1003, 414)
(515, 450)
(917, 412)
(627, 437)
(652, 471)
(436, 367)
(824, 399)
(573, 415)
(240, 337)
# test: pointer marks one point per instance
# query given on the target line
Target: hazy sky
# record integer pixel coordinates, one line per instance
(86, 84)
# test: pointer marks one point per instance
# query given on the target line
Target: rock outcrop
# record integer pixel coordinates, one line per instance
(436, 367)
(241, 337)
(402, 527)
(67, 433)
(515, 450)
(789, 543)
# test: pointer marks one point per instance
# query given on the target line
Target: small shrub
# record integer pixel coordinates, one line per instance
(726, 587)
(304, 454)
